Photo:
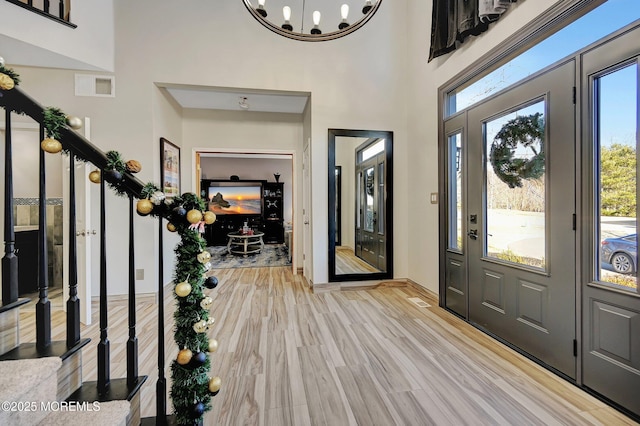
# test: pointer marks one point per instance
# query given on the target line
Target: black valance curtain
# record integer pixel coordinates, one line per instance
(455, 20)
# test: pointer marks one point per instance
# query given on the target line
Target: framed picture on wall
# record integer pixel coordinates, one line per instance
(169, 168)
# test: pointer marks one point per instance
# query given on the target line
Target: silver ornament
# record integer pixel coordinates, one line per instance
(74, 122)
(157, 197)
(207, 266)
(1, 61)
(206, 303)
(201, 326)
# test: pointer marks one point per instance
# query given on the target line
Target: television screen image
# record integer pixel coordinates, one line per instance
(245, 199)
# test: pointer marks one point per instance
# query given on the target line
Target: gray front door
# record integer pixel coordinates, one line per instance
(519, 220)
(371, 210)
(610, 296)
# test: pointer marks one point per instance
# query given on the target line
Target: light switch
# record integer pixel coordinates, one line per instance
(434, 198)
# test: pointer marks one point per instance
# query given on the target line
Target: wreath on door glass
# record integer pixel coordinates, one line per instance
(369, 183)
(509, 155)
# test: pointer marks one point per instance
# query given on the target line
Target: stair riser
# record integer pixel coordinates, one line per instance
(133, 419)
(9, 336)
(70, 376)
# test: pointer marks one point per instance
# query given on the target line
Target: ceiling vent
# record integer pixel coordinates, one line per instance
(95, 85)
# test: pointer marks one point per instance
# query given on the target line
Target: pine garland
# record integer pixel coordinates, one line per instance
(53, 120)
(527, 131)
(11, 73)
(190, 382)
(189, 385)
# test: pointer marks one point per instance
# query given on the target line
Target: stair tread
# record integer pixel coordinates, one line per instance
(17, 374)
(103, 414)
(55, 349)
(24, 382)
(14, 305)
(118, 390)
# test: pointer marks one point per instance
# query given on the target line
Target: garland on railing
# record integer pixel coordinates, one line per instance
(8, 78)
(191, 388)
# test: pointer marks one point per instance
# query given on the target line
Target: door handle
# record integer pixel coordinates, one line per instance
(473, 234)
(306, 222)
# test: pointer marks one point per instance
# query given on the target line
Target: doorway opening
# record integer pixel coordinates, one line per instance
(252, 195)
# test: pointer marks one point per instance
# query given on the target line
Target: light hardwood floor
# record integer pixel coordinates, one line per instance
(369, 357)
(348, 263)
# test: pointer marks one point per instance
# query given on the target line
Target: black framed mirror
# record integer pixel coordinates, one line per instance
(360, 202)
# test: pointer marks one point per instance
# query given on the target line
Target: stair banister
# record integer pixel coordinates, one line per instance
(132, 342)
(104, 361)
(9, 260)
(17, 99)
(43, 306)
(73, 303)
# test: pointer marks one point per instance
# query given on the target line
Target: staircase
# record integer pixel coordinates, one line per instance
(42, 380)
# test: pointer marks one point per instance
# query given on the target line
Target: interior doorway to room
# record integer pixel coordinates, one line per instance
(252, 195)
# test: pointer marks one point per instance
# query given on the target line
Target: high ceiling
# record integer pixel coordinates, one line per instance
(220, 98)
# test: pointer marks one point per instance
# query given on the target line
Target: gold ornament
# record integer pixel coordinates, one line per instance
(6, 82)
(94, 176)
(209, 217)
(200, 326)
(51, 146)
(204, 257)
(171, 227)
(214, 384)
(184, 356)
(74, 122)
(194, 216)
(206, 303)
(144, 207)
(213, 345)
(133, 166)
(183, 289)
(210, 322)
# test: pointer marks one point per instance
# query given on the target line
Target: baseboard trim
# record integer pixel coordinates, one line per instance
(124, 298)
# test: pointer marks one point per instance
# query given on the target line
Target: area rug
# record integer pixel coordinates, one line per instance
(271, 255)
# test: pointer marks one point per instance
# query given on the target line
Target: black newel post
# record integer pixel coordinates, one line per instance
(61, 9)
(46, 6)
(73, 304)
(132, 343)
(43, 306)
(103, 345)
(9, 260)
(161, 386)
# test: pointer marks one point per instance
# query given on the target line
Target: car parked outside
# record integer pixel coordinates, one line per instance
(621, 253)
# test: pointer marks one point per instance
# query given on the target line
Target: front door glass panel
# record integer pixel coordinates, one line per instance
(515, 188)
(616, 98)
(369, 206)
(454, 180)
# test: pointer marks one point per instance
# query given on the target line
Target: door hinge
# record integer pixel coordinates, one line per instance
(574, 221)
(574, 95)
(575, 347)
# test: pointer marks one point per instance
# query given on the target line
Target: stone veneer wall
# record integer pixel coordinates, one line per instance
(26, 213)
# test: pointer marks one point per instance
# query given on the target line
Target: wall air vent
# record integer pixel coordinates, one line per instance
(95, 85)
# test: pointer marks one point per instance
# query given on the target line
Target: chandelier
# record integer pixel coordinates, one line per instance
(312, 20)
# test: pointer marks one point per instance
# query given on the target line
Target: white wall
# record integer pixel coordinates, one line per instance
(376, 78)
(30, 39)
(26, 169)
(425, 79)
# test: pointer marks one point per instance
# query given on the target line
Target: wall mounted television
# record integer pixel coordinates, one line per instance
(235, 197)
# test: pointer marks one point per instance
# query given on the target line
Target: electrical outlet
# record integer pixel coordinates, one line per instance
(139, 274)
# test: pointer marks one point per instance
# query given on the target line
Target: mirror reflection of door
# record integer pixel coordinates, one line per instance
(360, 250)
